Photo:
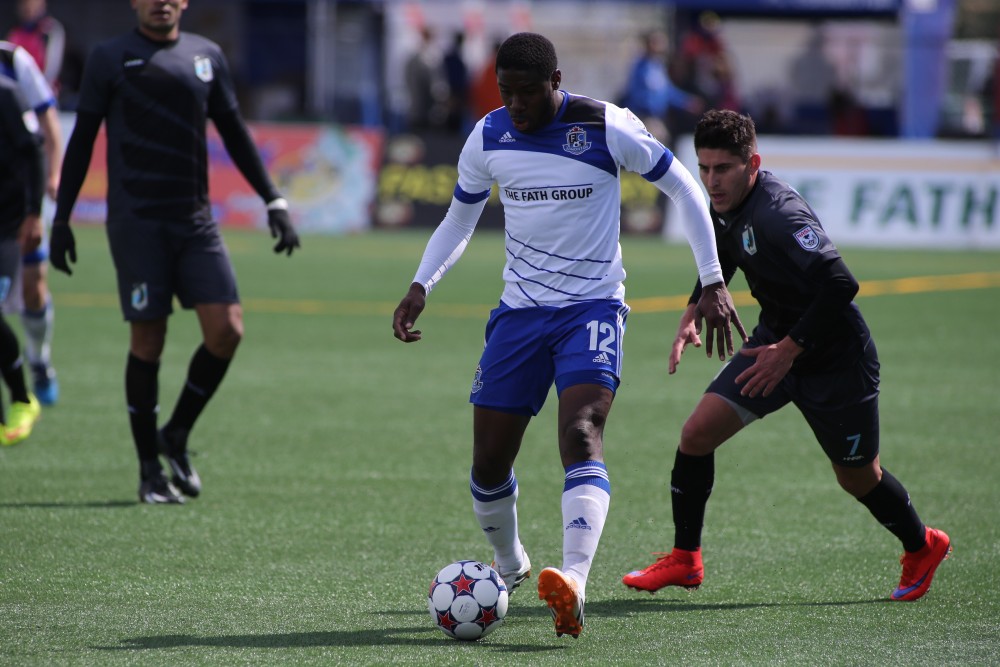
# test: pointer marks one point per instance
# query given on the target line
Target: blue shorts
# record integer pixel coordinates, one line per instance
(527, 349)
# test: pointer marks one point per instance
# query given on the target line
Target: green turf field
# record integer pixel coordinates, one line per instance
(335, 462)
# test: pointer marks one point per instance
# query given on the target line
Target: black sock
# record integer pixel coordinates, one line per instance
(205, 373)
(141, 395)
(11, 364)
(690, 486)
(890, 504)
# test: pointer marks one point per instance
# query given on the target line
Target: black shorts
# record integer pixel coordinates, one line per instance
(157, 260)
(841, 406)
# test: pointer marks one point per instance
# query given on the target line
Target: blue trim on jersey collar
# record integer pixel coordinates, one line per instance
(585, 142)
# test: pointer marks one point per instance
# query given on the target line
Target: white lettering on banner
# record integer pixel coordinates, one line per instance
(879, 193)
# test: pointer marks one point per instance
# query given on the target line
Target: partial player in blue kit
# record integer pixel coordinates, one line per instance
(21, 188)
(556, 159)
(155, 88)
(35, 302)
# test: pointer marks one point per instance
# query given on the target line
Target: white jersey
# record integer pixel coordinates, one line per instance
(17, 65)
(561, 195)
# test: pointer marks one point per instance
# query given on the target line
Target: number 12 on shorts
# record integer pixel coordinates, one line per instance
(602, 336)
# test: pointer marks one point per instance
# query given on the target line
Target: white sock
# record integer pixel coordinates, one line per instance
(496, 511)
(585, 502)
(38, 326)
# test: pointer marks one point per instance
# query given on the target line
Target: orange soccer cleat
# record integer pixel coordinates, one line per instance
(919, 566)
(565, 602)
(677, 568)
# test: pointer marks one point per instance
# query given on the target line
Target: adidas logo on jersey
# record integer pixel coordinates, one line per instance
(602, 358)
(579, 523)
(507, 139)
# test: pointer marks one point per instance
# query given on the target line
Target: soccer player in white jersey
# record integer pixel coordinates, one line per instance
(556, 158)
(35, 301)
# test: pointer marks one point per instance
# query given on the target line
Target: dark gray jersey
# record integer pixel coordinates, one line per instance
(775, 238)
(156, 98)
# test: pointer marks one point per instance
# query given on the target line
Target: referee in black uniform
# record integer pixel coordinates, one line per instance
(22, 184)
(155, 88)
(811, 347)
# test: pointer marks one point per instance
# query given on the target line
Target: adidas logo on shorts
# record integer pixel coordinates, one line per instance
(602, 358)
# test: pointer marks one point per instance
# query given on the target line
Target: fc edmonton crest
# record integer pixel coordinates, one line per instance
(576, 140)
(203, 68)
(807, 238)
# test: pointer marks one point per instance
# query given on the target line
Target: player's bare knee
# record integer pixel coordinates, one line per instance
(696, 438)
(858, 482)
(224, 344)
(582, 438)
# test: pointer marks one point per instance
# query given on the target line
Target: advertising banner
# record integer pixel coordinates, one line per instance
(887, 193)
(327, 173)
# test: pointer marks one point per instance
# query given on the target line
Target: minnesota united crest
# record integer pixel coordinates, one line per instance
(203, 68)
(749, 241)
(576, 140)
(140, 296)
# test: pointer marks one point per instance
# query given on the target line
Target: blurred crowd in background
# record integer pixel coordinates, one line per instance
(836, 68)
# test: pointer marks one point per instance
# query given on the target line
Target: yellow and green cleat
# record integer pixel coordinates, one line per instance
(21, 419)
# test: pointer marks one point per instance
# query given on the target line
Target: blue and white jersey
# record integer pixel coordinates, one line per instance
(561, 194)
(17, 65)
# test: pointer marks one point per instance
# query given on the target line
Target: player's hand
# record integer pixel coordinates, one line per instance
(687, 334)
(407, 312)
(716, 306)
(772, 365)
(62, 245)
(281, 229)
(30, 234)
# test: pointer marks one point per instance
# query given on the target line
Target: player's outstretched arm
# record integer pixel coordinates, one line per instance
(407, 312)
(716, 305)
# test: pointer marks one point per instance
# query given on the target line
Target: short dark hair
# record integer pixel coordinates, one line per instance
(726, 130)
(528, 52)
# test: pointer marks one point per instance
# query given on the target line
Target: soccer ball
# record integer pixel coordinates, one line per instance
(467, 600)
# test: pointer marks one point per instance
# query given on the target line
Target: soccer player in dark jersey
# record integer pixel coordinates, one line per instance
(155, 88)
(557, 159)
(811, 347)
(21, 189)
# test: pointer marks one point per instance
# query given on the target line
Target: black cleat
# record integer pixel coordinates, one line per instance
(154, 489)
(173, 447)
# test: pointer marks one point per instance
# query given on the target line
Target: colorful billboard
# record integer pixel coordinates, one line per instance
(327, 173)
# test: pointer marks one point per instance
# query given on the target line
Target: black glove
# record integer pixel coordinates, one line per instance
(281, 229)
(62, 244)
